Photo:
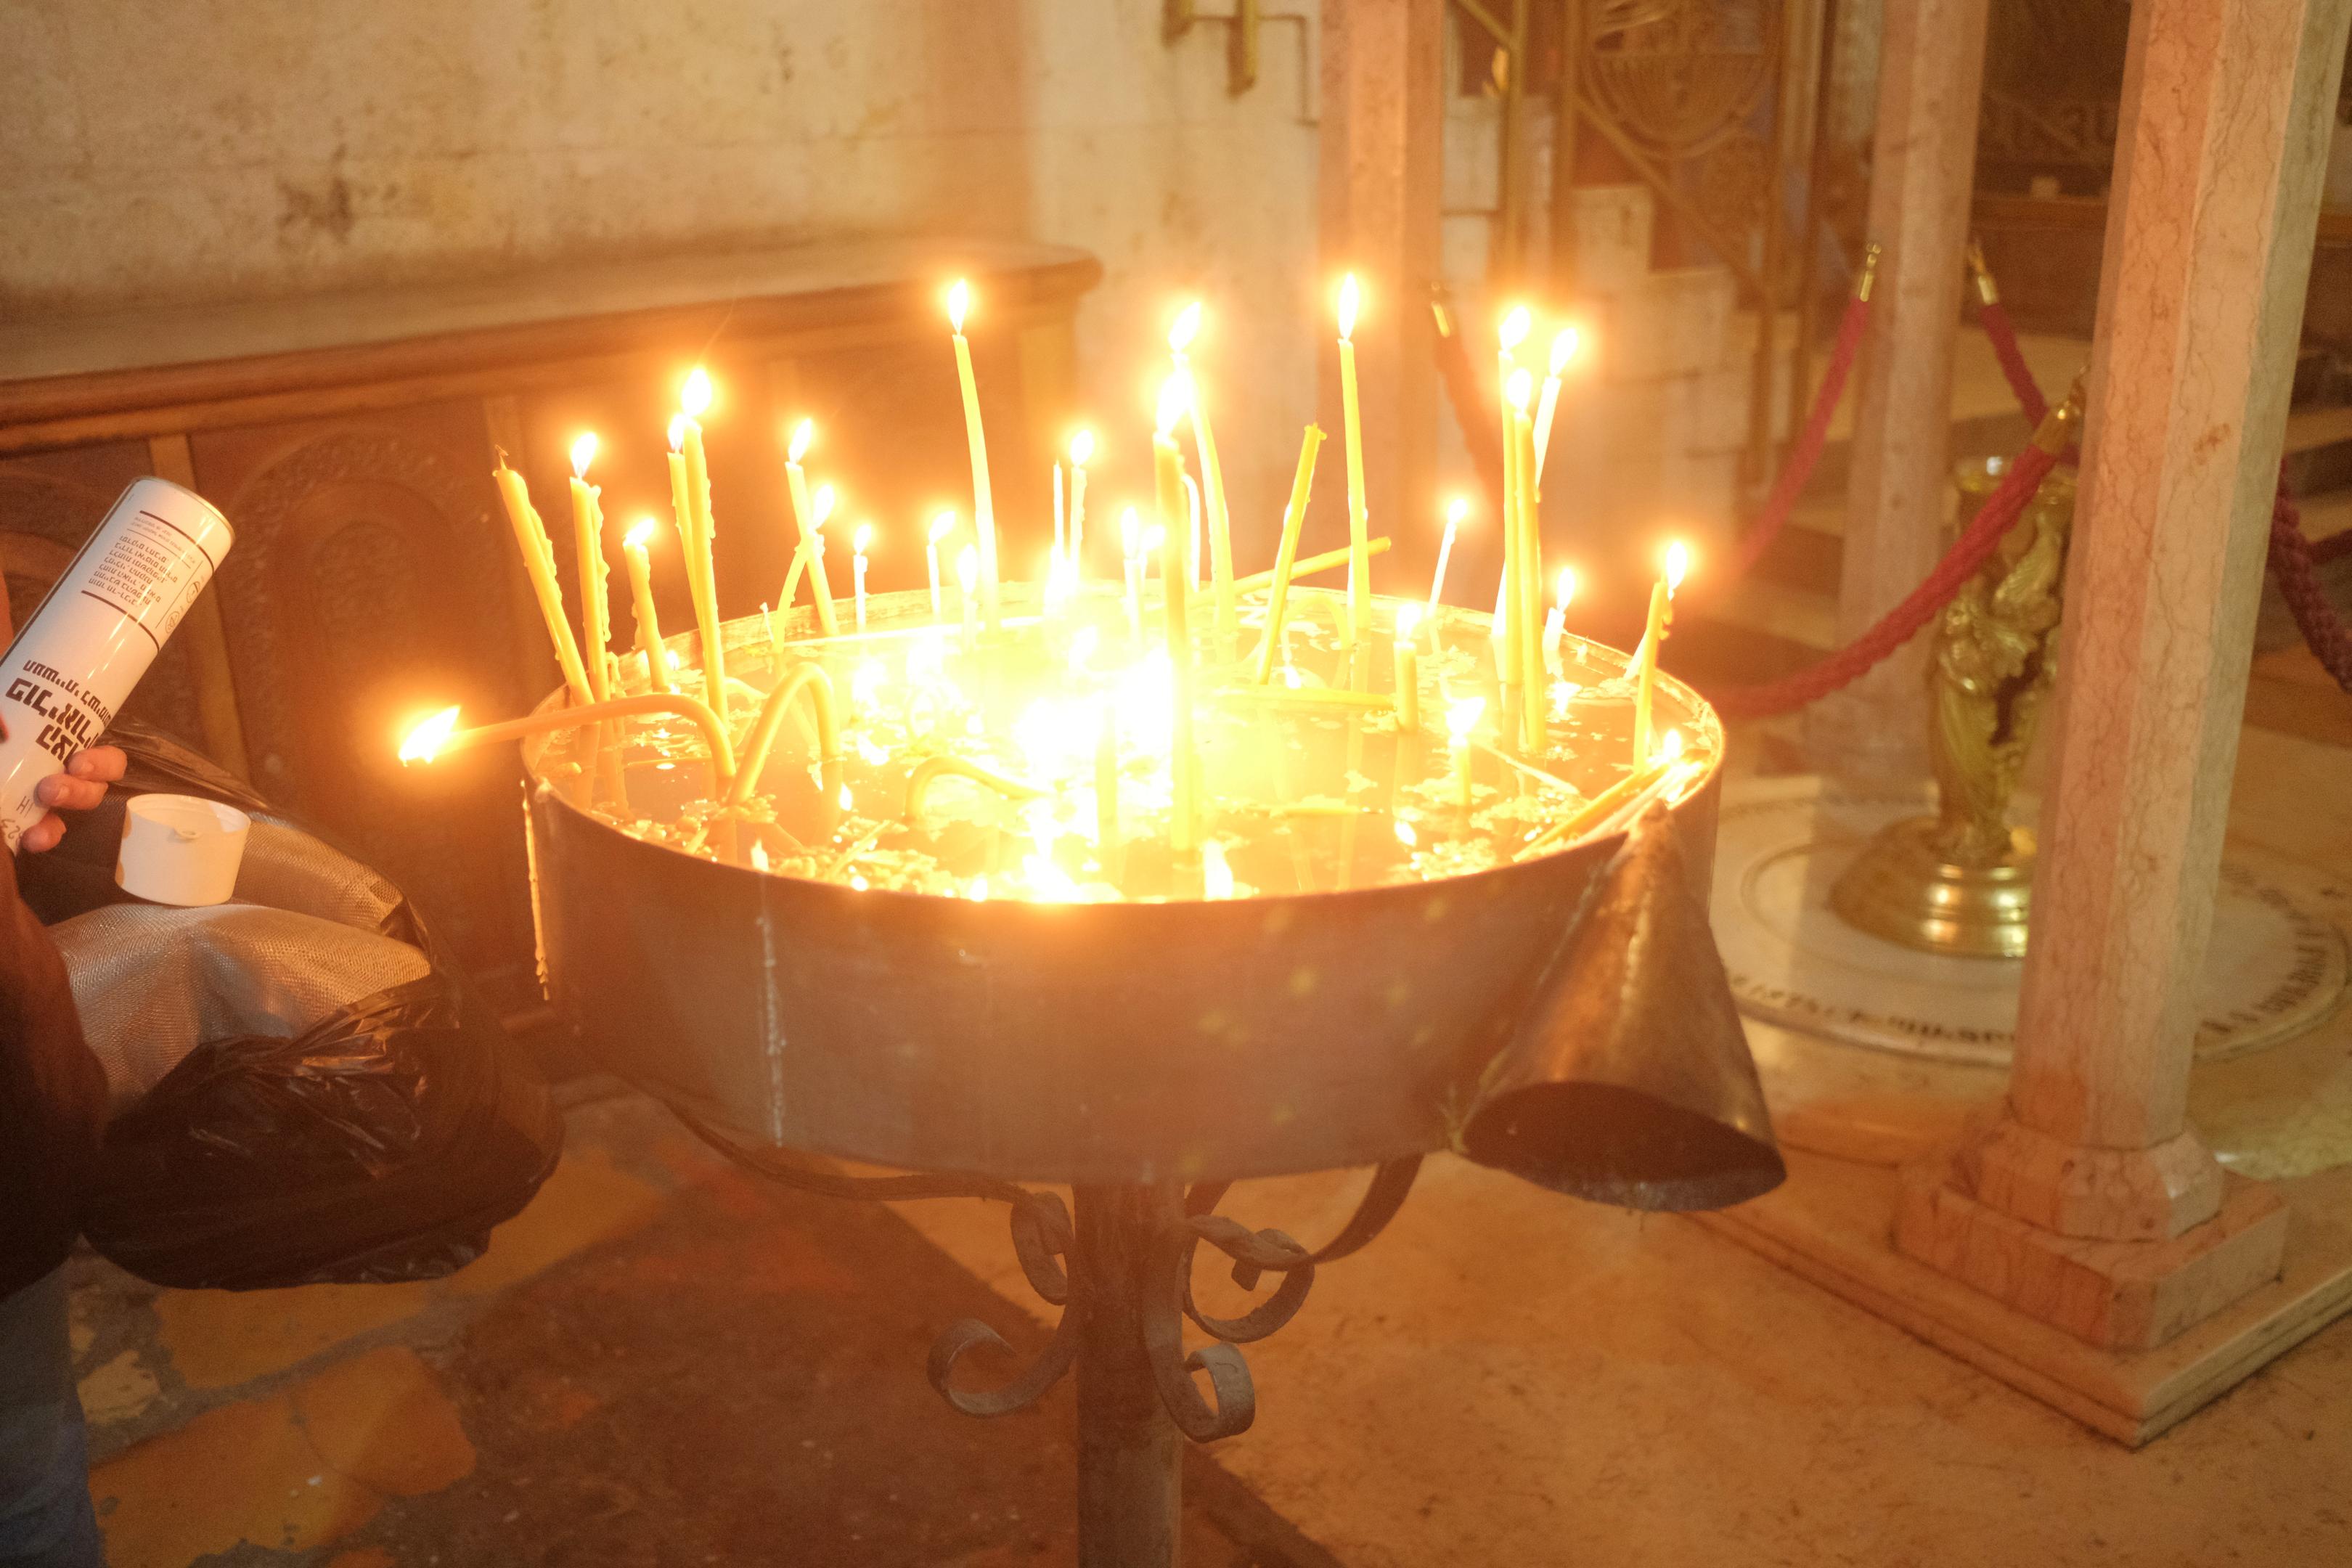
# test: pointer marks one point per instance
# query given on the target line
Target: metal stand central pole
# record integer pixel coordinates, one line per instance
(1131, 1476)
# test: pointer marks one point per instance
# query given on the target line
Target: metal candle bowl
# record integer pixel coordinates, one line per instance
(1098, 1043)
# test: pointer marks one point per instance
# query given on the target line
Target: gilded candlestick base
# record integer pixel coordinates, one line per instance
(1905, 889)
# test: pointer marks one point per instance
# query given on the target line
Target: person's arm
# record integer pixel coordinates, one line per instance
(52, 1089)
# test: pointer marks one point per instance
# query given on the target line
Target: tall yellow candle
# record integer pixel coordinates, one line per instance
(1132, 558)
(588, 531)
(1527, 607)
(641, 599)
(968, 578)
(1213, 474)
(858, 545)
(1360, 564)
(1462, 716)
(1168, 471)
(1082, 452)
(983, 509)
(1455, 511)
(539, 565)
(1646, 675)
(1408, 667)
(1285, 555)
(693, 402)
(940, 525)
(1563, 349)
(809, 554)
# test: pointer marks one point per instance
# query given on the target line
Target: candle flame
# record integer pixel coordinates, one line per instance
(862, 538)
(941, 525)
(1186, 328)
(583, 452)
(1405, 835)
(1462, 716)
(958, 298)
(1563, 348)
(428, 737)
(1566, 585)
(979, 890)
(1521, 386)
(1408, 617)
(1216, 876)
(1670, 745)
(1153, 537)
(677, 431)
(1082, 448)
(694, 399)
(967, 567)
(1455, 511)
(1677, 563)
(803, 434)
(849, 801)
(1175, 396)
(1349, 297)
(640, 534)
(1514, 328)
(821, 505)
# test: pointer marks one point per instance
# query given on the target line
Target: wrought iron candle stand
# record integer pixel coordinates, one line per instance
(1565, 1018)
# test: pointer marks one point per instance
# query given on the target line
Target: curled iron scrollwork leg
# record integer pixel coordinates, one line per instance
(1041, 1241)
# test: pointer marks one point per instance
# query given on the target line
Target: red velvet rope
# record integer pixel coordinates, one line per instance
(1798, 471)
(1975, 546)
(2293, 556)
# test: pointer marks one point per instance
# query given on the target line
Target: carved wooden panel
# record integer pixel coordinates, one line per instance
(370, 582)
(49, 503)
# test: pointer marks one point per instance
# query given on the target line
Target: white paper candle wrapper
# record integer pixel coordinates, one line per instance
(178, 849)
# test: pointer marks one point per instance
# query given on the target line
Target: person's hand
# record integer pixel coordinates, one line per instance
(81, 787)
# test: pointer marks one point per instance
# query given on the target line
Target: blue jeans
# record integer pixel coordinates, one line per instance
(45, 1514)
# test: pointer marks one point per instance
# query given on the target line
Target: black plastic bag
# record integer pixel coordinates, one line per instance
(381, 1144)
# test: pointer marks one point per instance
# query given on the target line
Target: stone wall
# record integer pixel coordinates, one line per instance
(176, 152)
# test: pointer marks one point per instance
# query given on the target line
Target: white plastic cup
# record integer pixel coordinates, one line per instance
(179, 849)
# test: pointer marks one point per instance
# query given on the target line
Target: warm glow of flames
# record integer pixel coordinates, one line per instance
(967, 567)
(1455, 511)
(821, 505)
(1216, 876)
(1670, 746)
(863, 537)
(759, 856)
(1186, 326)
(1175, 396)
(1677, 565)
(1462, 716)
(959, 299)
(694, 399)
(849, 801)
(1082, 448)
(428, 737)
(1567, 586)
(1153, 537)
(979, 890)
(803, 434)
(583, 452)
(1349, 297)
(640, 534)
(1519, 388)
(1563, 349)
(1127, 531)
(942, 525)
(1514, 328)
(1408, 618)
(677, 431)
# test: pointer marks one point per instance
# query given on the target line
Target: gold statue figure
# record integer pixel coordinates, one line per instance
(1960, 882)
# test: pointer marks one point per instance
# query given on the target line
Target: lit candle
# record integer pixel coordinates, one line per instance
(539, 565)
(1212, 476)
(1563, 349)
(1082, 451)
(1131, 544)
(1646, 677)
(1509, 334)
(859, 544)
(1359, 565)
(588, 528)
(1168, 469)
(1192, 534)
(1556, 621)
(439, 735)
(968, 578)
(1408, 667)
(1462, 716)
(1527, 606)
(983, 510)
(1285, 555)
(1455, 511)
(809, 554)
(693, 401)
(641, 598)
(939, 528)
